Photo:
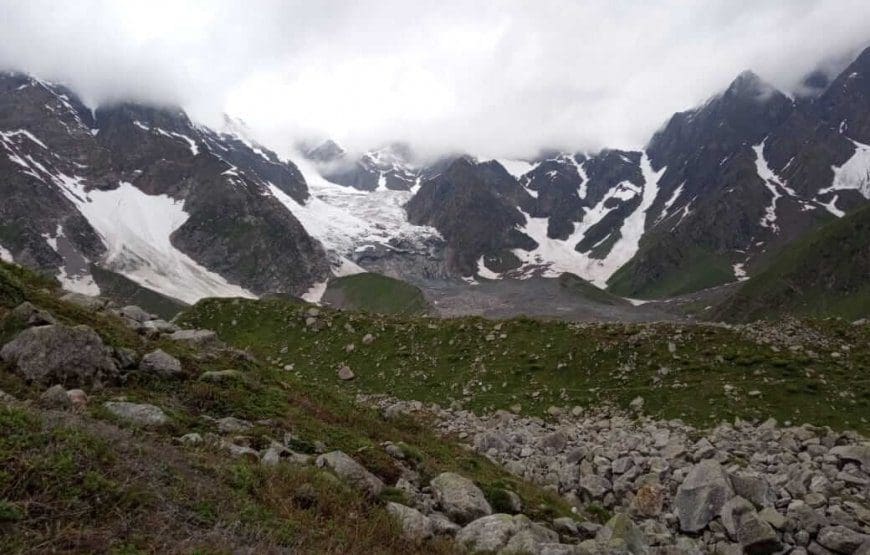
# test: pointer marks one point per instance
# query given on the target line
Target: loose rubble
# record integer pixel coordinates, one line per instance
(741, 487)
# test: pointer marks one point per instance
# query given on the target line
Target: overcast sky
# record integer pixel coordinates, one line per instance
(489, 77)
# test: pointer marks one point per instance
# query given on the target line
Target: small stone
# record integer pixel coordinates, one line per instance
(55, 398)
(415, 525)
(841, 539)
(368, 339)
(160, 363)
(345, 373)
(649, 500)
(138, 414)
(78, 399)
(773, 517)
(351, 472)
(191, 438)
(31, 316)
(459, 498)
(636, 404)
(233, 425)
(220, 376)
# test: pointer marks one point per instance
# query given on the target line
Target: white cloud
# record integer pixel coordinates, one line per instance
(501, 77)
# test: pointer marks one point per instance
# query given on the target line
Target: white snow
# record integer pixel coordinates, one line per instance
(677, 192)
(5, 255)
(636, 302)
(344, 219)
(516, 168)
(740, 271)
(315, 292)
(555, 256)
(194, 148)
(832, 207)
(485, 272)
(141, 125)
(83, 283)
(772, 183)
(136, 227)
(853, 175)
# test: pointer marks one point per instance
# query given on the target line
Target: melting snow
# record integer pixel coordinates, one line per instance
(771, 182)
(194, 148)
(136, 228)
(485, 272)
(853, 175)
(677, 192)
(740, 272)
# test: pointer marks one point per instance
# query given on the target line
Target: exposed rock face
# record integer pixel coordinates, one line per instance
(60, 354)
(475, 208)
(459, 498)
(352, 472)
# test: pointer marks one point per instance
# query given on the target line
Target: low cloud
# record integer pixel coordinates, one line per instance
(499, 78)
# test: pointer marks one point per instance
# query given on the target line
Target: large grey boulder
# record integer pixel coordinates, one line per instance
(754, 488)
(855, 453)
(72, 356)
(135, 313)
(494, 533)
(415, 525)
(351, 472)
(196, 338)
(31, 316)
(840, 539)
(701, 495)
(744, 525)
(621, 528)
(161, 364)
(87, 302)
(145, 415)
(459, 498)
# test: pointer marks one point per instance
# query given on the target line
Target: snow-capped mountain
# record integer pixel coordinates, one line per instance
(191, 212)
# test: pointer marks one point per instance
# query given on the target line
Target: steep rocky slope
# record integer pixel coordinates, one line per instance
(825, 273)
(144, 192)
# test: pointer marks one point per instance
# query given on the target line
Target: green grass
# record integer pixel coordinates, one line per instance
(686, 272)
(375, 293)
(90, 483)
(826, 273)
(125, 292)
(539, 364)
(582, 288)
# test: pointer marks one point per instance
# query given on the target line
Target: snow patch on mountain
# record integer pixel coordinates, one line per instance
(853, 175)
(485, 272)
(516, 168)
(5, 255)
(553, 257)
(771, 181)
(136, 230)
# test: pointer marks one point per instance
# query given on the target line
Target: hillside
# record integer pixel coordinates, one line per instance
(113, 483)
(826, 273)
(375, 293)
